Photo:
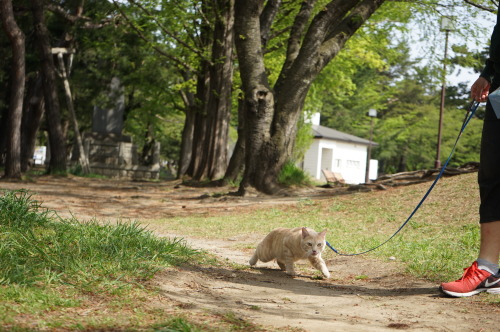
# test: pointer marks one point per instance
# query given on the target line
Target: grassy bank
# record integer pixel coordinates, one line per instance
(53, 270)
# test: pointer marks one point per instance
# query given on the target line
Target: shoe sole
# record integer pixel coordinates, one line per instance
(474, 292)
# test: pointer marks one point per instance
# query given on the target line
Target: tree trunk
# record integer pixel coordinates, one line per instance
(220, 102)
(402, 162)
(207, 118)
(259, 98)
(273, 113)
(16, 37)
(199, 109)
(237, 162)
(147, 154)
(3, 138)
(213, 161)
(186, 142)
(82, 157)
(32, 117)
(56, 137)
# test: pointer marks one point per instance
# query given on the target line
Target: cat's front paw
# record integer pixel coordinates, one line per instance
(292, 273)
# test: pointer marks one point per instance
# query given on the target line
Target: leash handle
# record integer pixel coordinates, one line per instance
(471, 110)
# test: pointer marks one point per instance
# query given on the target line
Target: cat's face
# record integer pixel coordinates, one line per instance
(313, 243)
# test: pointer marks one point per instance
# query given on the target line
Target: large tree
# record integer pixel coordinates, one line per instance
(212, 112)
(16, 36)
(272, 112)
(57, 162)
(222, 83)
(195, 38)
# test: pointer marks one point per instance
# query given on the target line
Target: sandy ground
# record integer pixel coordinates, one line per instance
(362, 295)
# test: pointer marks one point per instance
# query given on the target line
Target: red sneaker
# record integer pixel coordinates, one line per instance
(473, 281)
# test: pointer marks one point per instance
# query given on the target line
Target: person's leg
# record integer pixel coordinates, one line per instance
(490, 241)
(489, 249)
(489, 186)
(483, 274)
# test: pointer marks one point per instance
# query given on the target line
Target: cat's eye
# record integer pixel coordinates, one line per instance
(309, 244)
(319, 244)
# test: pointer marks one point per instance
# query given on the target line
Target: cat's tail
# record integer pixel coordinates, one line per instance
(254, 259)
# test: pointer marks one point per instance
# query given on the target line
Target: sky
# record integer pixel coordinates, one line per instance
(468, 75)
(436, 46)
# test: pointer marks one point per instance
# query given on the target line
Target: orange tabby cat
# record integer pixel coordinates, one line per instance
(290, 245)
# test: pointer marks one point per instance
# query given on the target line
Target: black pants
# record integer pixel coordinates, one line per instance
(489, 167)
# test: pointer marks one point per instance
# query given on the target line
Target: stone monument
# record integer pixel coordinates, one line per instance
(110, 153)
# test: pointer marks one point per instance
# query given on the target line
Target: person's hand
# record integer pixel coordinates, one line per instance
(480, 89)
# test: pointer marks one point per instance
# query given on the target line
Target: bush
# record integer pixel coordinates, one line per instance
(291, 175)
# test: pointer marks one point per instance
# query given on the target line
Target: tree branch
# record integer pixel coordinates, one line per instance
(248, 43)
(298, 29)
(139, 33)
(266, 19)
(87, 21)
(472, 3)
(332, 13)
(337, 37)
(165, 30)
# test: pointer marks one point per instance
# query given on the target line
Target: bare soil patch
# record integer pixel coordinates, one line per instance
(363, 294)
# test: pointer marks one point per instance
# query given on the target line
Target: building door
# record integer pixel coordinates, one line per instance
(326, 160)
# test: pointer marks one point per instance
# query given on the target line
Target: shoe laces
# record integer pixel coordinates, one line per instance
(472, 272)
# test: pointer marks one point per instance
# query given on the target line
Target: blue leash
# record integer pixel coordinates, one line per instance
(471, 110)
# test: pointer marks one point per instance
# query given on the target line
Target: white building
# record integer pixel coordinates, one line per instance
(338, 152)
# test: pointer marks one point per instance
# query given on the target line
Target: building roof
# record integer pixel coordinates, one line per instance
(329, 133)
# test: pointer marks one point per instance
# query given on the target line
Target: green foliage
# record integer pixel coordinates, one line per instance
(159, 49)
(303, 141)
(407, 132)
(376, 70)
(291, 175)
(149, 82)
(469, 59)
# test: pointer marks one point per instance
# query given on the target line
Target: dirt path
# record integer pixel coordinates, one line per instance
(363, 294)
(382, 300)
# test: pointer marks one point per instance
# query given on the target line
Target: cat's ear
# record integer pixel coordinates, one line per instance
(305, 233)
(323, 233)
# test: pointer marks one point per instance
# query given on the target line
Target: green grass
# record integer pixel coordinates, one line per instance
(440, 240)
(77, 170)
(178, 324)
(53, 265)
(49, 263)
(37, 247)
(430, 251)
(291, 175)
